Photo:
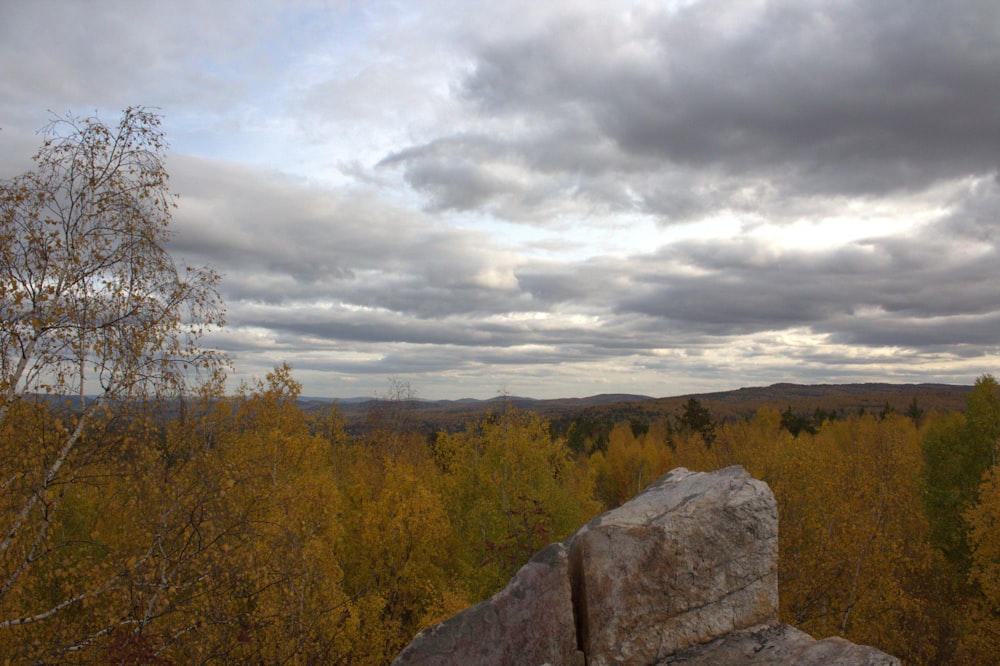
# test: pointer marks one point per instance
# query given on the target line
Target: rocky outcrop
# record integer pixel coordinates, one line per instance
(685, 572)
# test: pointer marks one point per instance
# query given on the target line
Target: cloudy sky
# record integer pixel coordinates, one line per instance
(560, 198)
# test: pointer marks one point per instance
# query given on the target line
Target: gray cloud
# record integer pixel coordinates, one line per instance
(561, 198)
(283, 242)
(735, 106)
(334, 272)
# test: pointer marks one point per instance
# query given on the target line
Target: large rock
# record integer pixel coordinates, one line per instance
(691, 558)
(685, 572)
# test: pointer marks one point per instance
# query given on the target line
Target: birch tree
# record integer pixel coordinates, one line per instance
(95, 316)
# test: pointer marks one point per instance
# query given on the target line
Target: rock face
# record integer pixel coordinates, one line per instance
(684, 573)
(779, 645)
(530, 621)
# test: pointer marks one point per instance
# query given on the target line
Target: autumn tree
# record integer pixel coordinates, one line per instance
(269, 585)
(223, 523)
(758, 443)
(963, 505)
(95, 317)
(512, 489)
(632, 461)
(397, 564)
(390, 425)
(981, 640)
(853, 544)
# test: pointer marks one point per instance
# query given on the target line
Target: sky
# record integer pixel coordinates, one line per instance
(561, 198)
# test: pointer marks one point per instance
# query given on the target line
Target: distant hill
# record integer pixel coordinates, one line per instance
(786, 391)
(433, 415)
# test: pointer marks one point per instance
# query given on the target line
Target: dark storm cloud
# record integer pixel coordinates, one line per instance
(743, 104)
(406, 361)
(585, 282)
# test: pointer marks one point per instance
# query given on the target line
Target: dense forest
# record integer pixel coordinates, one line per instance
(150, 516)
(244, 529)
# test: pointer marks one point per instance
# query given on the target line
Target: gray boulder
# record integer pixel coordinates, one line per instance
(685, 572)
(691, 558)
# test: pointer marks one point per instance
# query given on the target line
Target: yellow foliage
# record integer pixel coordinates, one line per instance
(853, 538)
(631, 462)
(983, 633)
(213, 536)
(511, 489)
(395, 561)
(240, 530)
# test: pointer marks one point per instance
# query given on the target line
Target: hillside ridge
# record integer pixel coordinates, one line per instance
(725, 405)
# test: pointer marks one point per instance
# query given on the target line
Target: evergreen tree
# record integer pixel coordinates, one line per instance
(958, 450)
